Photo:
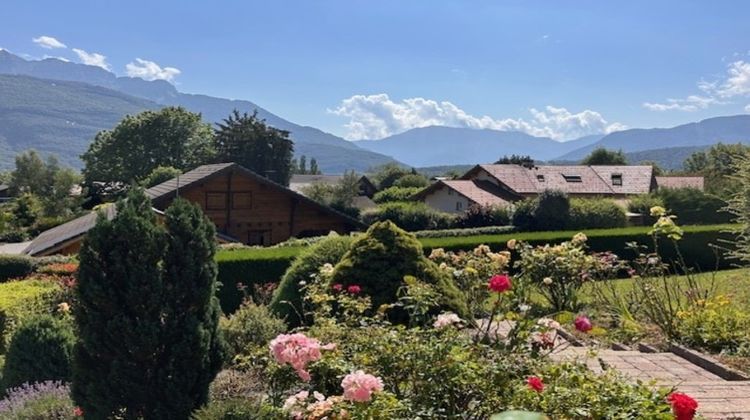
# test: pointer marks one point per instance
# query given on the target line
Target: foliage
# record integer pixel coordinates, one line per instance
(595, 213)
(41, 350)
(693, 206)
(242, 269)
(340, 196)
(523, 160)
(249, 327)
(559, 271)
(378, 261)
(386, 175)
(171, 136)
(602, 156)
(715, 325)
(522, 214)
(410, 216)
(287, 299)
(27, 209)
(392, 194)
(40, 401)
(716, 165)
(573, 391)
(160, 174)
(20, 300)
(159, 298)
(739, 207)
(247, 140)
(642, 204)
(47, 180)
(15, 266)
(548, 211)
(238, 409)
(300, 167)
(452, 233)
(480, 216)
(412, 181)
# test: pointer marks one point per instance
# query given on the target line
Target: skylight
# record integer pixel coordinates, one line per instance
(616, 179)
(540, 178)
(572, 178)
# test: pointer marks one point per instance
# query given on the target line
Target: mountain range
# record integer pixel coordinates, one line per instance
(33, 110)
(57, 107)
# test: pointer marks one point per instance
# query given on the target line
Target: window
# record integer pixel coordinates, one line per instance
(259, 237)
(616, 179)
(540, 178)
(216, 201)
(242, 200)
(459, 205)
(572, 178)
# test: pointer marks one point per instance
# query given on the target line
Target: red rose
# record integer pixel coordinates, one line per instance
(683, 406)
(78, 412)
(499, 283)
(535, 383)
(354, 289)
(338, 287)
(583, 324)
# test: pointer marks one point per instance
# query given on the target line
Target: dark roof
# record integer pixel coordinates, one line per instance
(697, 182)
(205, 172)
(60, 235)
(574, 179)
(477, 191)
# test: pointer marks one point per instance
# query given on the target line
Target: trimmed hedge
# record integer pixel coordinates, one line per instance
(250, 266)
(15, 266)
(595, 213)
(20, 300)
(409, 216)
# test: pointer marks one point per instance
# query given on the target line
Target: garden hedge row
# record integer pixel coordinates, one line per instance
(20, 300)
(251, 266)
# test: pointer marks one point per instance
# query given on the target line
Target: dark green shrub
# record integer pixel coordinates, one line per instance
(480, 216)
(448, 233)
(239, 409)
(147, 315)
(287, 300)
(552, 211)
(642, 204)
(523, 218)
(410, 216)
(589, 213)
(693, 206)
(379, 260)
(41, 350)
(250, 267)
(13, 236)
(15, 266)
(251, 326)
(411, 181)
(394, 194)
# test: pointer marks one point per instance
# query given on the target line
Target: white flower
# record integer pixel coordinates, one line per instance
(580, 238)
(524, 307)
(457, 273)
(547, 280)
(446, 319)
(443, 266)
(549, 323)
(326, 269)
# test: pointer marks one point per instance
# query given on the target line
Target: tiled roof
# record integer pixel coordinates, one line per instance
(481, 192)
(59, 235)
(573, 179)
(697, 182)
(198, 174)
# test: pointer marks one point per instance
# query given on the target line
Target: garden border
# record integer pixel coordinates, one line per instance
(709, 363)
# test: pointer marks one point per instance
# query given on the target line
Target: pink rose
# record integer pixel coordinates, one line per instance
(583, 324)
(359, 386)
(354, 289)
(338, 287)
(499, 283)
(297, 350)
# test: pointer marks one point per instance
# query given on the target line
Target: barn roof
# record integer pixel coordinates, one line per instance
(697, 182)
(59, 236)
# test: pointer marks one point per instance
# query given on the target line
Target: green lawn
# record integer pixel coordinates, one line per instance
(734, 283)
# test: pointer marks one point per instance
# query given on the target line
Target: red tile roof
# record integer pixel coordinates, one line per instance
(697, 182)
(479, 192)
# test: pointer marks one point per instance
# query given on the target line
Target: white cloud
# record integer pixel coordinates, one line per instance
(148, 70)
(48, 42)
(92, 59)
(55, 58)
(736, 83)
(747, 108)
(377, 116)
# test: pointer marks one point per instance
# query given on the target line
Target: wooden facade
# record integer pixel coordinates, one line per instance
(256, 212)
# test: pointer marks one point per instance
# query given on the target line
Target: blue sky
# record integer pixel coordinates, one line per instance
(373, 68)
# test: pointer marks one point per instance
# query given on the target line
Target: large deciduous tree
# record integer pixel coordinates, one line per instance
(247, 140)
(139, 144)
(47, 180)
(147, 316)
(602, 156)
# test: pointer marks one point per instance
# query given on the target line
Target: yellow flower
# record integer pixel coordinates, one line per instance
(63, 307)
(658, 211)
(511, 244)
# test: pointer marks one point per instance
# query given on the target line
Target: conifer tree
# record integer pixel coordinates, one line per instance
(148, 345)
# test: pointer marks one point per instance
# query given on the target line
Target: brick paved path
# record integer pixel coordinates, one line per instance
(717, 398)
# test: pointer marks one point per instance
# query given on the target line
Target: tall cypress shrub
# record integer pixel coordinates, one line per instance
(136, 318)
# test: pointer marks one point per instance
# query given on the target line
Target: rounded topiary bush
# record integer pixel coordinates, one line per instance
(15, 266)
(287, 299)
(552, 210)
(379, 260)
(590, 213)
(40, 350)
(251, 326)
